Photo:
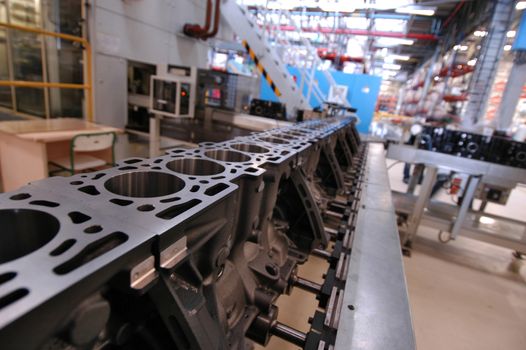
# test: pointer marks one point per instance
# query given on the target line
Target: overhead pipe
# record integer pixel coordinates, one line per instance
(217, 19)
(195, 30)
(345, 31)
(453, 14)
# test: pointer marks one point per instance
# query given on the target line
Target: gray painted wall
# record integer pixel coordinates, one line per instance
(147, 31)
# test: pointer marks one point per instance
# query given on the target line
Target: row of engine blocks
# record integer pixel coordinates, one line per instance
(493, 149)
(189, 250)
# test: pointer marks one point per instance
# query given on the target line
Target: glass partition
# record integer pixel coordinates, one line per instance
(34, 57)
(6, 99)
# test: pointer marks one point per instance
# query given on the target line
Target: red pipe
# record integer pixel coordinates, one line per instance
(217, 19)
(195, 30)
(325, 30)
(455, 11)
(324, 54)
(208, 21)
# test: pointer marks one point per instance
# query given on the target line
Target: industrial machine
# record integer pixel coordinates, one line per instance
(172, 96)
(226, 91)
(494, 149)
(268, 109)
(191, 250)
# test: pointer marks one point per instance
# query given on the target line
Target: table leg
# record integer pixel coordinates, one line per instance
(421, 203)
(415, 177)
(469, 194)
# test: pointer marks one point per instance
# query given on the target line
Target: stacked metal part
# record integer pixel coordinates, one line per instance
(189, 250)
(492, 149)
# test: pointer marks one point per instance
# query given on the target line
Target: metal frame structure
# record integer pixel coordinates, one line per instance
(265, 56)
(451, 219)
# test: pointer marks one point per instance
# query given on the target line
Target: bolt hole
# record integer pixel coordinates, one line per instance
(20, 196)
(93, 229)
(146, 207)
(271, 269)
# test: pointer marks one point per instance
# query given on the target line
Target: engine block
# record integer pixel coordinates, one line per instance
(189, 250)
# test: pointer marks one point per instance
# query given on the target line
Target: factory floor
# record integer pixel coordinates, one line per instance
(463, 295)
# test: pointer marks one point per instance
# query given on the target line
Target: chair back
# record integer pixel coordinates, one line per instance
(93, 142)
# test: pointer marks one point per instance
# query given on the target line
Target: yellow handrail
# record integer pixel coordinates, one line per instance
(78, 39)
(40, 84)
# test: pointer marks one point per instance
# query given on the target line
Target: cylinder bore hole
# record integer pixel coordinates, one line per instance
(24, 231)
(144, 184)
(228, 156)
(194, 166)
(249, 148)
(298, 133)
(274, 140)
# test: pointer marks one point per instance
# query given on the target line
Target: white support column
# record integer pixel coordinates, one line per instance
(512, 93)
(428, 80)
(492, 47)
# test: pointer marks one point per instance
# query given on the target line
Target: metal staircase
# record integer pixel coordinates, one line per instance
(316, 63)
(265, 56)
(269, 47)
(486, 68)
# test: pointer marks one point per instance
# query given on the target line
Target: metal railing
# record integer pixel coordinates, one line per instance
(311, 61)
(87, 53)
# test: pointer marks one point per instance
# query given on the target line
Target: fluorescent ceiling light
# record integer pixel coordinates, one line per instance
(388, 42)
(507, 47)
(460, 47)
(390, 25)
(391, 66)
(281, 5)
(336, 7)
(511, 34)
(382, 4)
(389, 73)
(416, 10)
(480, 33)
(399, 57)
(521, 5)
(472, 62)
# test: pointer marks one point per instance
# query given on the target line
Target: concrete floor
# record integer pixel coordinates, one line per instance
(466, 294)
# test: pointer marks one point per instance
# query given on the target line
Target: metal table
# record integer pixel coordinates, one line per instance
(452, 219)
